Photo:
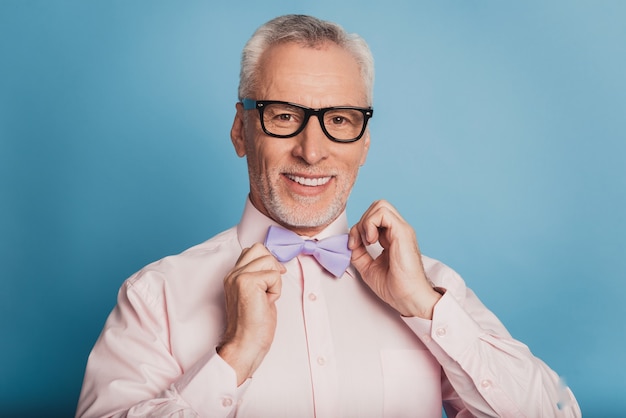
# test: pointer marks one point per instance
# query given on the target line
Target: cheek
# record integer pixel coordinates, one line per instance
(355, 159)
(262, 157)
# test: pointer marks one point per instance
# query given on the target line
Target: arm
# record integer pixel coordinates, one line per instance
(132, 372)
(488, 372)
(496, 374)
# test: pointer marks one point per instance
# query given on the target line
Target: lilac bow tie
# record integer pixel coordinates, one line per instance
(332, 253)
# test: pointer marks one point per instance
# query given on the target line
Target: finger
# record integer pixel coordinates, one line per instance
(251, 283)
(248, 254)
(361, 232)
(274, 286)
(355, 239)
(258, 258)
(262, 251)
(360, 258)
(379, 216)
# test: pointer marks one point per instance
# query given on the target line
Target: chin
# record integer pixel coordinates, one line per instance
(305, 216)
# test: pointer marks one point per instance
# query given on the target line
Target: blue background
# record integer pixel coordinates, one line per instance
(498, 133)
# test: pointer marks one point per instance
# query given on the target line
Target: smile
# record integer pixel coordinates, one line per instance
(306, 181)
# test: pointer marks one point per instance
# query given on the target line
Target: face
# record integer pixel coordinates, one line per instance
(303, 182)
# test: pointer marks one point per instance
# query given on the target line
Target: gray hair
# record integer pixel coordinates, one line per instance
(307, 31)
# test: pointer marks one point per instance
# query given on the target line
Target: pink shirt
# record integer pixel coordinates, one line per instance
(338, 350)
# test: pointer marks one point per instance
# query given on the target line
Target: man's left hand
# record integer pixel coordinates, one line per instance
(397, 275)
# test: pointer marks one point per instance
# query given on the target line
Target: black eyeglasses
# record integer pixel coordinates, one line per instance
(285, 120)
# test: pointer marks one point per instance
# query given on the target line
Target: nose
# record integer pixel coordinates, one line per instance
(312, 145)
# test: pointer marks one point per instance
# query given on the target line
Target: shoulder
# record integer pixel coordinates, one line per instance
(224, 245)
(195, 269)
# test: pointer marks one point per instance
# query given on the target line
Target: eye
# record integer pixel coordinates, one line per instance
(339, 120)
(284, 117)
(281, 114)
(343, 118)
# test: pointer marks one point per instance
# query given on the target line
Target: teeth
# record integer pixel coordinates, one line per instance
(309, 181)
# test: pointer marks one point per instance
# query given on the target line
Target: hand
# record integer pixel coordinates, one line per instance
(251, 288)
(397, 275)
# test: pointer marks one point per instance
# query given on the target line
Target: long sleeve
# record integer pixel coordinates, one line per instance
(337, 349)
(487, 372)
(132, 362)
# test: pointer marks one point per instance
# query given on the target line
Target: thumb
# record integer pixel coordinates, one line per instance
(360, 258)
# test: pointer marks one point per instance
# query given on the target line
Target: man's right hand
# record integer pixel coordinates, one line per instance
(251, 288)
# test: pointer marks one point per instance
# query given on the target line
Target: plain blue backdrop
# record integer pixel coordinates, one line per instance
(498, 133)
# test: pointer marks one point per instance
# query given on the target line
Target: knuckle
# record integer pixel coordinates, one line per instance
(257, 246)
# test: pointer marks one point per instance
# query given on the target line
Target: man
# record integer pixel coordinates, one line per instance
(237, 327)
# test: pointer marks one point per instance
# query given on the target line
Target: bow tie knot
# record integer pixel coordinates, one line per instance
(332, 253)
(309, 247)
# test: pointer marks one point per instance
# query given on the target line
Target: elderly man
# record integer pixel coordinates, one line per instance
(292, 314)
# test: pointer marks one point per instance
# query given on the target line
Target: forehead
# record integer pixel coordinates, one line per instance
(315, 76)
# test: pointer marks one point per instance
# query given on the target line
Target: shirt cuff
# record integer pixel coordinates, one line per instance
(451, 331)
(210, 387)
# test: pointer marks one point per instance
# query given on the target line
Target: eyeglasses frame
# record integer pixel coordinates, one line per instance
(250, 104)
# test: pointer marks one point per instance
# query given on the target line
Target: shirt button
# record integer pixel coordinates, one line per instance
(485, 383)
(312, 297)
(227, 402)
(321, 360)
(426, 338)
(441, 332)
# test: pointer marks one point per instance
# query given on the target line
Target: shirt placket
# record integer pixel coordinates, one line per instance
(321, 354)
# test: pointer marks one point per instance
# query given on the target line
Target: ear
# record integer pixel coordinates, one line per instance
(366, 146)
(237, 131)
